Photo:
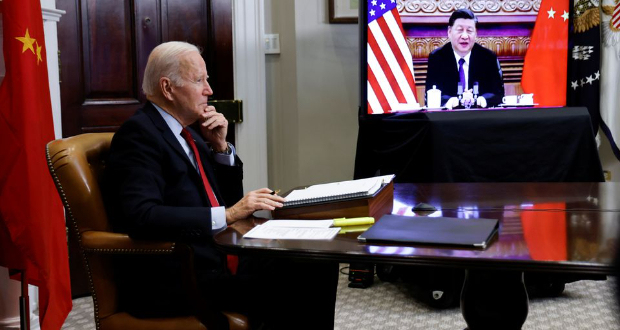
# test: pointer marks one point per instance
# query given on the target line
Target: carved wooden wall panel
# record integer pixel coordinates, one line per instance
(412, 10)
(502, 45)
(108, 53)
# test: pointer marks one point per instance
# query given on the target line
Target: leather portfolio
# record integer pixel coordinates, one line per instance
(476, 233)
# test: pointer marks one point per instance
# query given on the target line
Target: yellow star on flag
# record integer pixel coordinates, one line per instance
(39, 48)
(27, 42)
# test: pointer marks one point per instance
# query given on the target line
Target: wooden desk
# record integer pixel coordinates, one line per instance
(580, 235)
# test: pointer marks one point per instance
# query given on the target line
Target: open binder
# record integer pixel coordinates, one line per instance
(372, 197)
(328, 192)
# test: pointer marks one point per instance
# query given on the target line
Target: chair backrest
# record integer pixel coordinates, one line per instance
(77, 165)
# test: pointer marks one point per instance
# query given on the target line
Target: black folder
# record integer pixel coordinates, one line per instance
(432, 230)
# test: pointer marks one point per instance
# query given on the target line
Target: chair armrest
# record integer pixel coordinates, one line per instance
(117, 243)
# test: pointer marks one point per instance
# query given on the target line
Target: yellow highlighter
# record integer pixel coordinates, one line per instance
(354, 229)
(340, 222)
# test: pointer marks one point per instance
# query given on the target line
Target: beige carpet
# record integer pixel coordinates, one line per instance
(584, 305)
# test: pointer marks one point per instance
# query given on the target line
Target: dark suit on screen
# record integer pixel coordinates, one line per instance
(484, 68)
(153, 191)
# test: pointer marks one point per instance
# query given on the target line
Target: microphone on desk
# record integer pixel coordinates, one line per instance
(459, 92)
(475, 91)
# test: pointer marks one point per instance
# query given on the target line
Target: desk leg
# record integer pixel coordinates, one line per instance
(494, 300)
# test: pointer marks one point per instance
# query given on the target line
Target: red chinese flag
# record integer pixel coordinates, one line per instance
(32, 225)
(544, 69)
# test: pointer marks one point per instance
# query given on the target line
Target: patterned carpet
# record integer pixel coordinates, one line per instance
(584, 305)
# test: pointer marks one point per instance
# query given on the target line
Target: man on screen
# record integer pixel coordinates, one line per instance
(464, 62)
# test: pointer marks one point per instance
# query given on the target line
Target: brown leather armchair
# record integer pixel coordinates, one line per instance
(76, 165)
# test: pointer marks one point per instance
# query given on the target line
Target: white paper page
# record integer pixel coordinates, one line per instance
(368, 185)
(270, 232)
(300, 223)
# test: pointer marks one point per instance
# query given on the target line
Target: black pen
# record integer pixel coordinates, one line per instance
(273, 192)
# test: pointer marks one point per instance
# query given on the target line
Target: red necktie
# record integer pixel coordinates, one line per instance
(188, 137)
(233, 261)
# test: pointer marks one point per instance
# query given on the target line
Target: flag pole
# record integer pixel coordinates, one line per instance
(24, 303)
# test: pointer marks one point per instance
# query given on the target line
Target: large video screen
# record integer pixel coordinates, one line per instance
(446, 55)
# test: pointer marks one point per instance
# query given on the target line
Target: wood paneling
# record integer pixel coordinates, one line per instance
(2, 69)
(108, 52)
(104, 46)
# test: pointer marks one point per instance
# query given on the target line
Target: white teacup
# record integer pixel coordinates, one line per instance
(526, 99)
(510, 99)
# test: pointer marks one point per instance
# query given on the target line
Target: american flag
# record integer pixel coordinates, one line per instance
(391, 84)
(615, 19)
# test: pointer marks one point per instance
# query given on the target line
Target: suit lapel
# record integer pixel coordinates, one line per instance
(454, 71)
(169, 137)
(161, 125)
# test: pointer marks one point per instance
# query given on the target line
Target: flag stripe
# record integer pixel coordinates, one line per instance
(380, 40)
(407, 75)
(380, 55)
(394, 23)
(373, 103)
(373, 85)
(384, 83)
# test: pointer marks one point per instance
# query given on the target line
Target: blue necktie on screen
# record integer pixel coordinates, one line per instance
(462, 74)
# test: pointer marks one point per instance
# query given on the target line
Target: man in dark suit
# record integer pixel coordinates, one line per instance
(163, 181)
(463, 61)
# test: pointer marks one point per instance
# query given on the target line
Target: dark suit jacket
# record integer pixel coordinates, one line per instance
(154, 192)
(484, 68)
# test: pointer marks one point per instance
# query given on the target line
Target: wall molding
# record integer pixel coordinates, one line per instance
(249, 66)
(52, 14)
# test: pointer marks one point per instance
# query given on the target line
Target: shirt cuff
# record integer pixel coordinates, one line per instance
(218, 218)
(226, 159)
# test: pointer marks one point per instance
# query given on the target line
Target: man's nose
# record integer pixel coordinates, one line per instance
(464, 35)
(208, 90)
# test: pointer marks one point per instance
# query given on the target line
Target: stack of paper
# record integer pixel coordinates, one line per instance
(294, 229)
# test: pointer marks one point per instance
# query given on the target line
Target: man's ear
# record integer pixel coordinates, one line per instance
(449, 29)
(166, 88)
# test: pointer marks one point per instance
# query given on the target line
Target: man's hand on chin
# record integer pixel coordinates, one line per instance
(214, 128)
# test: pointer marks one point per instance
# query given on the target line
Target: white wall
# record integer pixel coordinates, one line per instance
(312, 95)
(608, 160)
